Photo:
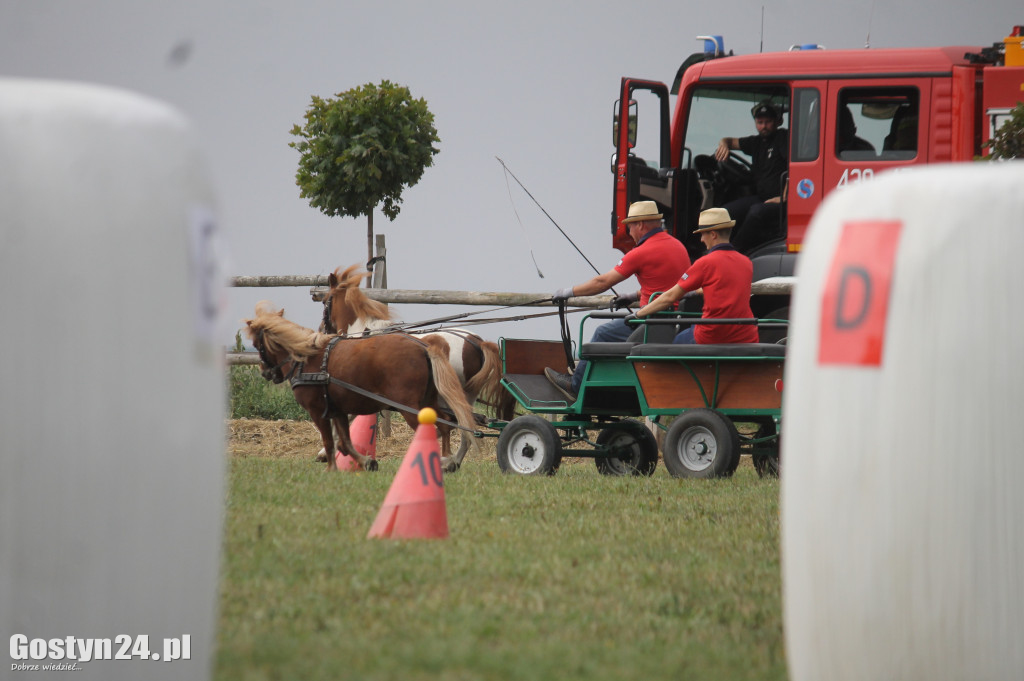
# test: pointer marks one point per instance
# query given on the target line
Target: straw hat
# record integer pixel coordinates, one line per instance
(642, 210)
(714, 218)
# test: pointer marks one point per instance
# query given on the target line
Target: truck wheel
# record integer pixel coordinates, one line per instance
(529, 445)
(701, 443)
(774, 335)
(639, 450)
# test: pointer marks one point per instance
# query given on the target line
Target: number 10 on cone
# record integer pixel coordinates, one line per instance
(414, 507)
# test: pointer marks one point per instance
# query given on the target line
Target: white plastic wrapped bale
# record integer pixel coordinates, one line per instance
(112, 390)
(903, 539)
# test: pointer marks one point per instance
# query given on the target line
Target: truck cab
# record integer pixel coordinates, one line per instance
(850, 115)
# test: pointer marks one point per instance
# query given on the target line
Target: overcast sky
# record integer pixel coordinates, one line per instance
(530, 81)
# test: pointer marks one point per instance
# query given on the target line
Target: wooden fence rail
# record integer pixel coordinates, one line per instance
(775, 286)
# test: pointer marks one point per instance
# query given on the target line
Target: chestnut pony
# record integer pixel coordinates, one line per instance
(411, 372)
(349, 311)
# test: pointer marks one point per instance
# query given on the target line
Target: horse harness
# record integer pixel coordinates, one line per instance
(324, 378)
(266, 361)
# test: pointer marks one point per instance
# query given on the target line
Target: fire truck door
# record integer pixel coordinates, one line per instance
(806, 136)
(641, 164)
(874, 125)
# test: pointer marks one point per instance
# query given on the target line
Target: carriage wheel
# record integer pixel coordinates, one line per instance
(767, 462)
(529, 445)
(638, 450)
(701, 443)
(768, 465)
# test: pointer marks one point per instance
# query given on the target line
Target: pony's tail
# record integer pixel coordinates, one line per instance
(449, 387)
(483, 381)
(487, 383)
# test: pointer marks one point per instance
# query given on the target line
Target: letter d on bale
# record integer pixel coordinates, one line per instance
(902, 543)
(112, 390)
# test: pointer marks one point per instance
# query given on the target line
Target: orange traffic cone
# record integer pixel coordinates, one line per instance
(414, 507)
(363, 432)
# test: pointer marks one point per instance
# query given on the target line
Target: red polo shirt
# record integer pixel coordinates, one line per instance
(658, 261)
(725, 274)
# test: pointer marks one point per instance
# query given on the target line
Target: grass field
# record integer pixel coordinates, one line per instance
(576, 576)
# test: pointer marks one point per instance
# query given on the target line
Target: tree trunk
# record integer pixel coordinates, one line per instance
(369, 244)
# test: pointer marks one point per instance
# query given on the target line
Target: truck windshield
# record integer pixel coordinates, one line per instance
(716, 112)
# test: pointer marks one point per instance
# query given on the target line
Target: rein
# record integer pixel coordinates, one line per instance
(563, 327)
(463, 315)
(400, 327)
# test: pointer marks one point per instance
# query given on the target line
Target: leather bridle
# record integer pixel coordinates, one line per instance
(274, 372)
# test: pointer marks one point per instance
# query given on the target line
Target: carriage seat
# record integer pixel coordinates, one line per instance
(708, 350)
(655, 333)
(620, 349)
(644, 333)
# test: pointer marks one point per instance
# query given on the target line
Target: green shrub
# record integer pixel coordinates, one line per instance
(252, 396)
(1008, 141)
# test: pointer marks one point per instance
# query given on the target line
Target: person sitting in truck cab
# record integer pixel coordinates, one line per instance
(724, 274)
(902, 135)
(847, 139)
(757, 215)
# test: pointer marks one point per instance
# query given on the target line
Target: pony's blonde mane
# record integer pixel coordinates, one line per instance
(282, 334)
(365, 308)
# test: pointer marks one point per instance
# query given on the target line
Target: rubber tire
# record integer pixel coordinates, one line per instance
(707, 429)
(768, 464)
(529, 445)
(644, 460)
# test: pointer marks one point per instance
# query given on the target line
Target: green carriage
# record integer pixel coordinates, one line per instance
(693, 400)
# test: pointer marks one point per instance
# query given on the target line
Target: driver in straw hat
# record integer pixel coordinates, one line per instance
(657, 261)
(725, 275)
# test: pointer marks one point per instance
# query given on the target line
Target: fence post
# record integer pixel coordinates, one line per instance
(380, 268)
(380, 280)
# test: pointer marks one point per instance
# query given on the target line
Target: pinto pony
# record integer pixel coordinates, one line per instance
(349, 311)
(333, 378)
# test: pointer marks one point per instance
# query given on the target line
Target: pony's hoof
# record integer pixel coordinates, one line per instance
(372, 465)
(451, 466)
(321, 457)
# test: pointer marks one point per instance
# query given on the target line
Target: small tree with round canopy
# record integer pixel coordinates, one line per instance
(363, 148)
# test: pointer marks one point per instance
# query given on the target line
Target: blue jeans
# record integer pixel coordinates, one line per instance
(615, 331)
(685, 337)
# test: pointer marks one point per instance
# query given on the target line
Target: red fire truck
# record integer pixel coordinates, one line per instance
(907, 107)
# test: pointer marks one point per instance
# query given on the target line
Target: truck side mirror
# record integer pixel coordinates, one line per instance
(616, 117)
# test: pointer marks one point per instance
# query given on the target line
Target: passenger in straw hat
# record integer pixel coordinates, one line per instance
(725, 275)
(658, 261)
